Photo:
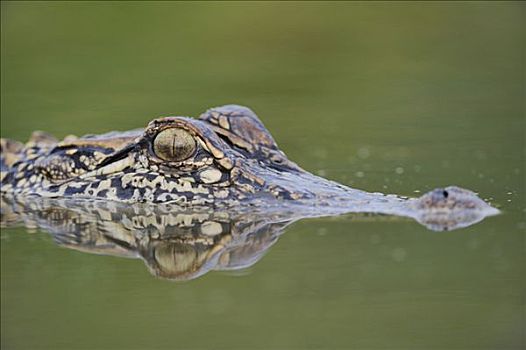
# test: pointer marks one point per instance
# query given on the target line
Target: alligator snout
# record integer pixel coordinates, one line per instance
(452, 198)
(451, 207)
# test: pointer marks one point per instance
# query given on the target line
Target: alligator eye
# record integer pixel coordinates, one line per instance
(174, 145)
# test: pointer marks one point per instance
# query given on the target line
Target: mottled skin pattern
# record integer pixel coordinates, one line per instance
(232, 149)
(224, 159)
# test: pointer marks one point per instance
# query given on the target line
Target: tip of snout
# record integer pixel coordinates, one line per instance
(491, 211)
(452, 207)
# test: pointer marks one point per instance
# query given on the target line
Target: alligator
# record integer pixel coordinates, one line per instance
(224, 159)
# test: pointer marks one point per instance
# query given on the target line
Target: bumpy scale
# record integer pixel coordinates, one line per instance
(226, 158)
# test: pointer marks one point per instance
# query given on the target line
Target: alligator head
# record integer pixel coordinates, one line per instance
(225, 158)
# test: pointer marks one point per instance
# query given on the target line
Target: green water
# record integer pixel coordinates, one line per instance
(391, 97)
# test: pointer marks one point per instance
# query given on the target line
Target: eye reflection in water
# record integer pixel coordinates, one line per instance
(175, 244)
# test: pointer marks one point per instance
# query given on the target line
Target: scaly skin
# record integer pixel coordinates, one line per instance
(224, 159)
(234, 160)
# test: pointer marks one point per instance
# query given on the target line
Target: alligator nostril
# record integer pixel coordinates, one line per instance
(445, 194)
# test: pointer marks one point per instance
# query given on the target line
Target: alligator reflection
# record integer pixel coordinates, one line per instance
(178, 246)
(174, 244)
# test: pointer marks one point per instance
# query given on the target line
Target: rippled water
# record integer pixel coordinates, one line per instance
(390, 97)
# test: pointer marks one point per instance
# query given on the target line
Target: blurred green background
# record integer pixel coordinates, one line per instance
(396, 97)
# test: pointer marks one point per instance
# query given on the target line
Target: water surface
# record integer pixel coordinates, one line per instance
(390, 97)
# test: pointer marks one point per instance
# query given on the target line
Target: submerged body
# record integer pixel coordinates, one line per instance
(224, 159)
